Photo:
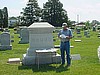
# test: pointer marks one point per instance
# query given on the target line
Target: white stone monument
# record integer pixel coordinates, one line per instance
(24, 36)
(40, 38)
(5, 41)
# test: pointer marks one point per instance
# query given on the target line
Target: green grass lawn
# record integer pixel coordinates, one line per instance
(88, 65)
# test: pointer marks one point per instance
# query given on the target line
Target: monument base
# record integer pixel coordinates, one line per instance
(46, 59)
(6, 47)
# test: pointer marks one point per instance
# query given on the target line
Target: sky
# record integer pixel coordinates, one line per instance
(85, 9)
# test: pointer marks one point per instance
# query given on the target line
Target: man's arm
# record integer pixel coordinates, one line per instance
(70, 35)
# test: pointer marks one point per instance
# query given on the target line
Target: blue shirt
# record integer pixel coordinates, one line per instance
(66, 32)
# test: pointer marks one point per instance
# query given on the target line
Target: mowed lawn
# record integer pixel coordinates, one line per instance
(88, 65)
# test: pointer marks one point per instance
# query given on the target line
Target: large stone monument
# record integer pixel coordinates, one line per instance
(24, 36)
(5, 41)
(40, 38)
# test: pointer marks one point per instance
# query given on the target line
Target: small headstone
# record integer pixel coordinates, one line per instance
(75, 57)
(85, 33)
(14, 60)
(58, 46)
(79, 36)
(5, 41)
(18, 31)
(78, 31)
(71, 46)
(24, 36)
(77, 40)
(88, 36)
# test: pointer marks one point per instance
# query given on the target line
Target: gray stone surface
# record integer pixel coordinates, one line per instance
(77, 40)
(5, 41)
(40, 38)
(75, 57)
(14, 60)
(24, 36)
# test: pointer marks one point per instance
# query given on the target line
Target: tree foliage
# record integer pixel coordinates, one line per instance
(54, 13)
(31, 13)
(4, 17)
(94, 22)
(1, 18)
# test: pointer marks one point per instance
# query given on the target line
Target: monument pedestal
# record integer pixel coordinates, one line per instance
(43, 57)
(40, 38)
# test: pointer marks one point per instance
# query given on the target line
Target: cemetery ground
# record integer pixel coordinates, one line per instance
(87, 48)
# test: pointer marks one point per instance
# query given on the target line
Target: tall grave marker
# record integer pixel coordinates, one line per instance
(40, 38)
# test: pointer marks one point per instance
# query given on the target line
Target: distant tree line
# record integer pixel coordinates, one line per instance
(52, 13)
(4, 17)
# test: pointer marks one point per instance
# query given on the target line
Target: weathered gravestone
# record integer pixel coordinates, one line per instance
(24, 35)
(40, 38)
(78, 31)
(5, 41)
(87, 34)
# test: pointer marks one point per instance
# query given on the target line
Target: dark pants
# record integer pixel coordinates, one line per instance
(65, 46)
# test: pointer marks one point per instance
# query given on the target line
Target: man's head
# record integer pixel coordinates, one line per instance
(65, 26)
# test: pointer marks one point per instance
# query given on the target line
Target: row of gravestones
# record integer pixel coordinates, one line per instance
(24, 37)
(5, 42)
(86, 33)
(98, 50)
(24, 34)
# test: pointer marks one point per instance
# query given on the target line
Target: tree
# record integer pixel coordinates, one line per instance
(94, 22)
(1, 18)
(5, 17)
(31, 13)
(88, 25)
(54, 13)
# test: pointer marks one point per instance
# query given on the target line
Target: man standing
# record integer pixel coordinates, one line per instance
(65, 35)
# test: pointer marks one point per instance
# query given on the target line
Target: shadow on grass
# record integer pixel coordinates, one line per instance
(44, 68)
(62, 68)
(4, 50)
